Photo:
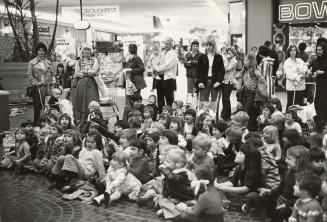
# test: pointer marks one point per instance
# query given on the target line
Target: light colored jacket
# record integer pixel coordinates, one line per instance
(36, 73)
(230, 69)
(169, 66)
(293, 71)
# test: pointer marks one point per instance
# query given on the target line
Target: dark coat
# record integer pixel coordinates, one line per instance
(137, 66)
(321, 91)
(191, 64)
(218, 69)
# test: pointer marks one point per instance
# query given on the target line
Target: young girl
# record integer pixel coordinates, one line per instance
(203, 125)
(291, 121)
(246, 177)
(66, 121)
(298, 161)
(164, 118)
(271, 142)
(89, 162)
(177, 126)
(208, 205)
(128, 139)
(264, 118)
(153, 147)
(119, 181)
(60, 73)
(136, 124)
(277, 104)
(148, 118)
(190, 116)
(177, 104)
(180, 113)
(307, 207)
(20, 155)
(152, 101)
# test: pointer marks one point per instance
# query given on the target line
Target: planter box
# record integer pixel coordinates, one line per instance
(13, 79)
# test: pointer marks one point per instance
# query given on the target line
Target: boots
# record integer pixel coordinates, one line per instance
(106, 199)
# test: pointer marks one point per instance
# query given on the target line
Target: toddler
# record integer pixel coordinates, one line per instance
(264, 119)
(307, 207)
(119, 181)
(53, 101)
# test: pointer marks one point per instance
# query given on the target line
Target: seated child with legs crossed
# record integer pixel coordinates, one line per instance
(119, 181)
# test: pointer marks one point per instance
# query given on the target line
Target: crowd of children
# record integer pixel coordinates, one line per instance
(174, 161)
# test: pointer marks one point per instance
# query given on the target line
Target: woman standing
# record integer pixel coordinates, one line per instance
(41, 76)
(251, 77)
(84, 87)
(295, 70)
(135, 74)
(210, 73)
(319, 70)
(227, 85)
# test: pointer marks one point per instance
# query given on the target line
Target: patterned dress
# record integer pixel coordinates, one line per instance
(85, 89)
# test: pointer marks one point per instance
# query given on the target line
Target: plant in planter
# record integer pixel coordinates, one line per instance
(25, 42)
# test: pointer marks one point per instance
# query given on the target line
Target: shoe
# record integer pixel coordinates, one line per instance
(106, 199)
(160, 213)
(245, 208)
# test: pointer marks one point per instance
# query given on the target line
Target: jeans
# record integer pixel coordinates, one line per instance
(165, 92)
(39, 95)
(207, 91)
(226, 92)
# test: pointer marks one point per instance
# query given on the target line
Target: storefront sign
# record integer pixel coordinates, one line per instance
(302, 11)
(91, 12)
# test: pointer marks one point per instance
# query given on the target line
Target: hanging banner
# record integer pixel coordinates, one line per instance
(91, 12)
(302, 11)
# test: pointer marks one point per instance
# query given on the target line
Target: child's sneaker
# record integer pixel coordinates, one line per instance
(160, 213)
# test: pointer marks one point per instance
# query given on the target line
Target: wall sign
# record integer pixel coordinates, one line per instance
(91, 12)
(302, 11)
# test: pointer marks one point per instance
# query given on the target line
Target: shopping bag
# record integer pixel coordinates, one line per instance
(130, 88)
(102, 87)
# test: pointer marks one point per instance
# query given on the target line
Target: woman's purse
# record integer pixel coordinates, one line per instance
(101, 86)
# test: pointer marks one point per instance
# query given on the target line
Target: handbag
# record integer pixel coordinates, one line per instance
(102, 87)
(130, 88)
(261, 92)
(30, 91)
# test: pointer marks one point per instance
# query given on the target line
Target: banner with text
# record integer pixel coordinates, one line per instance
(91, 12)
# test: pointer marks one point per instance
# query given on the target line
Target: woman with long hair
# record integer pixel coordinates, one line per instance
(84, 87)
(227, 84)
(295, 71)
(319, 70)
(210, 73)
(250, 76)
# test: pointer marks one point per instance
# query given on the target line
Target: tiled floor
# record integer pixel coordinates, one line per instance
(27, 198)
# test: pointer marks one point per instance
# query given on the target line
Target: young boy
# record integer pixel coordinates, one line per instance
(139, 164)
(190, 116)
(228, 148)
(241, 120)
(318, 161)
(200, 148)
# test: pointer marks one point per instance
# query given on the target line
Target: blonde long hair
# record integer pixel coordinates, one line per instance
(211, 42)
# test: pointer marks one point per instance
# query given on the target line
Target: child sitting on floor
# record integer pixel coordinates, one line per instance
(201, 146)
(139, 163)
(119, 181)
(208, 206)
(307, 207)
(176, 183)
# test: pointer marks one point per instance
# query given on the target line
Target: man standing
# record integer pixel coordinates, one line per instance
(168, 68)
(191, 64)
